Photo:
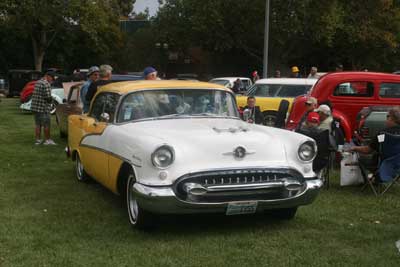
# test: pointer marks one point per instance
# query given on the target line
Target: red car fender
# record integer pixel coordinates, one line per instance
(344, 123)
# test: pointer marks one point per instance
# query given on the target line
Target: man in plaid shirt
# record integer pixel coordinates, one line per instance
(41, 107)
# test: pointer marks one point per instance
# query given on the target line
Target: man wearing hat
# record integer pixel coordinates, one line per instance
(295, 72)
(105, 72)
(41, 107)
(150, 73)
(311, 104)
(325, 116)
(93, 75)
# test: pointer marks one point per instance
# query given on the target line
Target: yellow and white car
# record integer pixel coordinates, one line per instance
(270, 92)
(180, 147)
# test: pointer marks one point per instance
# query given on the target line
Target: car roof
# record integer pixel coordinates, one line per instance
(287, 81)
(129, 86)
(361, 74)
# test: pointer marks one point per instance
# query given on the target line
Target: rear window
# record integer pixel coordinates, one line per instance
(389, 90)
(355, 89)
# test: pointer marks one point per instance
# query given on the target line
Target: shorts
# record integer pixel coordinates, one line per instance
(42, 119)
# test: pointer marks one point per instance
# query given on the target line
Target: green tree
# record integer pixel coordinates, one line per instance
(43, 21)
(357, 33)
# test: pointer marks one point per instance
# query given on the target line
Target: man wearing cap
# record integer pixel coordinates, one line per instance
(295, 72)
(311, 104)
(93, 75)
(105, 72)
(255, 76)
(41, 107)
(150, 73)
(325, 116)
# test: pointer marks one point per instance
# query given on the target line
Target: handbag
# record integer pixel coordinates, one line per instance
(350, 173)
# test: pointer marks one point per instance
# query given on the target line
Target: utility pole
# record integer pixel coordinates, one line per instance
(266, 39)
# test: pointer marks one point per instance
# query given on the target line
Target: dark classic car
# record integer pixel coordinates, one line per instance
(18, 78)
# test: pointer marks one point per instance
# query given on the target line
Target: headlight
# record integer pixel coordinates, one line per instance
(163, 157)
(307, 151)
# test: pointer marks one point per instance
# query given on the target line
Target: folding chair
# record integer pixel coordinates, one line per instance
(388, 171)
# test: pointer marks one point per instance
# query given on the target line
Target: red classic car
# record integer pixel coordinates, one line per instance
(348, 93)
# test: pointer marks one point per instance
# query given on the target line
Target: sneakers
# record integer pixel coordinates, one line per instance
(49, 142)
(38, 142)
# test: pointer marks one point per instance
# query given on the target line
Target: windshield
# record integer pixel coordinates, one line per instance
(279, 90)
(177, 103)
(221, 82)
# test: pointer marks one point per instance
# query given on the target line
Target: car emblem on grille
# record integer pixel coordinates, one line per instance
(239, 152)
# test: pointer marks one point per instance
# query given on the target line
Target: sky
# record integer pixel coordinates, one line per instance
(140, 5)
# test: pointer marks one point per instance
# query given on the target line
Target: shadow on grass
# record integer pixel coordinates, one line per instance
(188, 224)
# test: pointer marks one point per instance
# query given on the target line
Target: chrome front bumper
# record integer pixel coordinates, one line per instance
(162, 200)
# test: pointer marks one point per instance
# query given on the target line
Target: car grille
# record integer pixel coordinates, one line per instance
(239, 185)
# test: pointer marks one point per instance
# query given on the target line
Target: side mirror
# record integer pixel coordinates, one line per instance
(104, 117)
(64, 100)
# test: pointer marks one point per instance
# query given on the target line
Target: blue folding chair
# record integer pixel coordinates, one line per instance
(388, 171)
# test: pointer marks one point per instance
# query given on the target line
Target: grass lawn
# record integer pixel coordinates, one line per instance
(47, 218)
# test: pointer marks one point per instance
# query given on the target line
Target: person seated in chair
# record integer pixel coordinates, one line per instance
(320, 136)
(253, 113)
(392, 124)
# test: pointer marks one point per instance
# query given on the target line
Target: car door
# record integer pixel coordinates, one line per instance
(349, 97)
(71, 107)
(94, 144)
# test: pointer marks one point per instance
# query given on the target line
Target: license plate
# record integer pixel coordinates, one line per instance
(235, 208)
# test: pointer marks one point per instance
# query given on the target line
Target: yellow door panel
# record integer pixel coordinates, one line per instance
(114, 165)
(95, 163)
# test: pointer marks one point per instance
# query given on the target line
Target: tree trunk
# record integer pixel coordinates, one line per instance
(39, 47)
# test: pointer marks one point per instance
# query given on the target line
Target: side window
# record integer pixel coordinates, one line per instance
(265, 90)
(104, 103)
(133, 108)
(389, 90)
(354, 89)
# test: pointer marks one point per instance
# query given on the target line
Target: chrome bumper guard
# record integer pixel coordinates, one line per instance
(163, 200)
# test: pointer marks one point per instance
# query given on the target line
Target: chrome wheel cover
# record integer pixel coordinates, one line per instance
(133, 208)
(79, 168)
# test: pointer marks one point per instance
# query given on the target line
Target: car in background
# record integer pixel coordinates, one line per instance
(180, 147)
(270, 92)
(229, 81)
(370, 121)
(17, 79)
(348, 93)
(72, 104)
(57, 95)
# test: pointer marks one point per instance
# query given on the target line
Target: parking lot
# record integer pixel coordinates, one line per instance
(50, 219)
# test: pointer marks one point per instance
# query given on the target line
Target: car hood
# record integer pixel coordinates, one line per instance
(201, 144)
(212, 141)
